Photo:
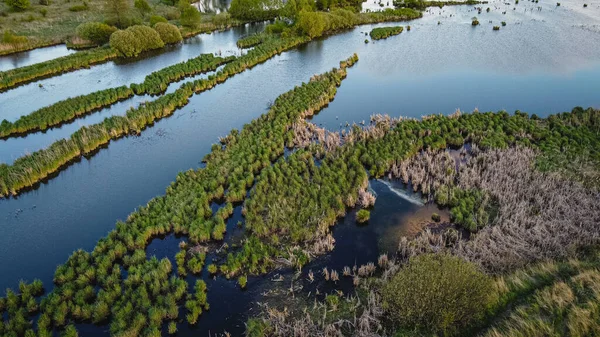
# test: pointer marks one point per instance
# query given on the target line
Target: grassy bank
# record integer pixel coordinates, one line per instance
(385, 32)
(72, 108)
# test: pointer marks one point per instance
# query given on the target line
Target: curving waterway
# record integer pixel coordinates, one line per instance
(543, 61)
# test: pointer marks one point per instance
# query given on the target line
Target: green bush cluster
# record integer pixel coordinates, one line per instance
(168, 33)
(30, 169)
(64, 111)
(158, 81)
(250, 41)
(154, 19)
(135, 40)
(18, 5)
(438, 293)
(83, 59)
(472, 209)
(385, 32)
(97, 32)
(254, 10)
(363, 215)
(197, 303)
(20, 308)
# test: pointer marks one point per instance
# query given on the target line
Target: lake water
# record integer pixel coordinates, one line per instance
(543, 61)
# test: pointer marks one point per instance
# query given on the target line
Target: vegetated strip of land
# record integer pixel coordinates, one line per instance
(32, 168)
(82, 59)
(385, 32)
(72, 108)
(90, 287)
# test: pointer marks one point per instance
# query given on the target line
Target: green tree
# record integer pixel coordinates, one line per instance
(169, 33)
(190, 16)
(97, 32)
(311, 23)
(142, 6)
(118, 12)
(18, 5)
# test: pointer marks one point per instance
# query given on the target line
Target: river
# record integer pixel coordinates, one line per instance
(541, 62)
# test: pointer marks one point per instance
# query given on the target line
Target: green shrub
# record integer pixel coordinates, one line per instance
(385, 32)
(221, 19)
(79, 8)
(438, 293)
(18, 5)
(435, 217)
(172, 328)
(312, 23)
(256, 327)
(10, 38)
(169, 33)
(363, 215)
(142, 6)
(97, 32)
(243, 281)
(135, 40)
(190, 16)
(154, 19)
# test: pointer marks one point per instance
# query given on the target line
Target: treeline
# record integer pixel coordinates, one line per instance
(83, 59)
(32, 168)
(71, 108)
(422, 4)
(385, 32)
(116, 284)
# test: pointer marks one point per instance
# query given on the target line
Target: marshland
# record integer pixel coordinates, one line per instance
(262, 181)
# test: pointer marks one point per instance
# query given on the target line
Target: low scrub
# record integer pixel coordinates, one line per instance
(385, 32)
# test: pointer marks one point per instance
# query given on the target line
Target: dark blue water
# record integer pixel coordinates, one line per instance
(541, 62)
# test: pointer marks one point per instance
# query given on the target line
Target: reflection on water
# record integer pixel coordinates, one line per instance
(38, 55)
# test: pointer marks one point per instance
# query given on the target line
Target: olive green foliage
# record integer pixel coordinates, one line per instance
(19, 308)
(142, 6)
(9, 37)
(169, 33)
(363, 215)
(550, 299)
(18, 5)
(64, 111)
(190, 16)
(196, 303)
(293, 8)
(154, 19)
(243, 281)
(83, 59)
(158, 81)
(423, 4)
(79, 8)
(254, 10)
(256, 327)
(118, 12)
(251, 41)
(135, 40)
(471, 209)
(385, 32)
(312, 23)
(97, 32)
(439, 293)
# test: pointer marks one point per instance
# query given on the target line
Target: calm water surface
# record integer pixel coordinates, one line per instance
(26, 58)
(542, 62)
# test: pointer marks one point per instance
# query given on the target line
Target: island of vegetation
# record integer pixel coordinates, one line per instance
(385, 32)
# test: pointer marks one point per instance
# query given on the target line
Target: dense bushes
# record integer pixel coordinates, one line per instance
(385, 32)
(158, 81)
(154, 19)
(250, 41)
(64, 111)
(254, 10)
(135, 40)
(19, 5)
(168, 33)
(440, 293)
(190, 16)
(59, 65)
(97, 32)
